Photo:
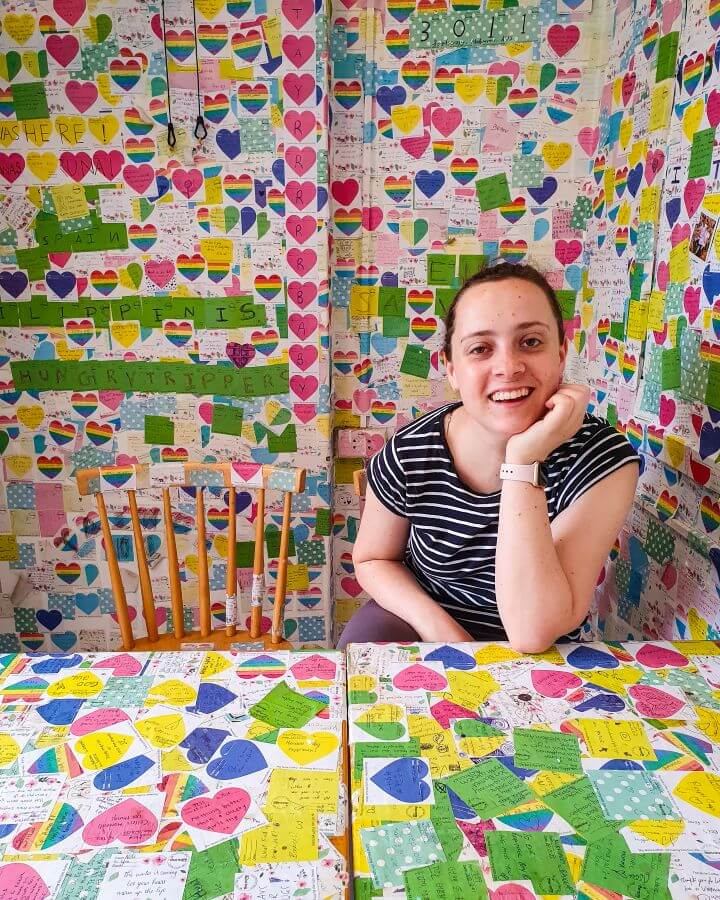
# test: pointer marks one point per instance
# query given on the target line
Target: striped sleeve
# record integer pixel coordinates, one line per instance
(386, 477)
(605, 451)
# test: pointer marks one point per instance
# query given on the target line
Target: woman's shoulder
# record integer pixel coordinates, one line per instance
(423, 428)
(597, 439)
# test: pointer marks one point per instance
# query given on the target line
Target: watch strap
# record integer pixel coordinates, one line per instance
(529, 472)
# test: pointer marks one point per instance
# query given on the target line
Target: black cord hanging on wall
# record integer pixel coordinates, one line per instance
(201, 131)
(171, 139)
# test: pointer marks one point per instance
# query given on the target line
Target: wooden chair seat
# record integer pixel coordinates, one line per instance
(219, 638)
(248, 477)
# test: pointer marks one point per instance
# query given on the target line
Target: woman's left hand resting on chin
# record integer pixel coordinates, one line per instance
(550, 592)
(566, 411)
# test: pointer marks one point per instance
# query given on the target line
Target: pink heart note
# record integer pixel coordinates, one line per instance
(419, 677)
(129, 822)
(221, 813)
(655, 657)
(21, 882)
(314, 666)
(550, 683)
(97, 720)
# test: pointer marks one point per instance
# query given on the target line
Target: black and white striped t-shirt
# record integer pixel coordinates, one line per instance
(453, 529)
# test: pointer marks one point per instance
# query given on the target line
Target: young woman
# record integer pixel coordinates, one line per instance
(451, 546)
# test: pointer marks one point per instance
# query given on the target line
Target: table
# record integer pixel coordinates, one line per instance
(586, 770)
(190, 775)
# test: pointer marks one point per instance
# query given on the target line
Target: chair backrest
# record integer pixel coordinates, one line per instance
(232, 475)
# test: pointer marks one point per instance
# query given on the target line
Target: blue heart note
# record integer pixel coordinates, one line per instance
(451, 658)
(60, 712)
(247, 218)
(237, 758)
(710, 283)
(624, 765)
(49, 618)
(545, 191)
(278, 170)
(228, 142)
(211, 697)
(60, 283)
(590, 658)
(709, 440)
(202, 743)
(14, 283)
(57, 663)
(634, 178)
(388, 97)
(673, 208)
(603, 702)
(430, 182)
(123, 773)
(402, 780)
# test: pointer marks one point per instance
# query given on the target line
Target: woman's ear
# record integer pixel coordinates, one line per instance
(449, 369)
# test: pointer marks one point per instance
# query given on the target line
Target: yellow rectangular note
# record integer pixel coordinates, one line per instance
(615, 739)
(637, 320)
(661, 106)
(288, 838)
(680, 261)
(70, 202)
(364, 301)
(297, 577)
(9, 551)
(649, 204)
(656, 311)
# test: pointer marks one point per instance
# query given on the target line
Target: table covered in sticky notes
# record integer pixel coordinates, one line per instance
(189, 775)
(591, 770)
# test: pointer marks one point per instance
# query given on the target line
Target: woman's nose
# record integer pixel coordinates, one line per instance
(508, 362)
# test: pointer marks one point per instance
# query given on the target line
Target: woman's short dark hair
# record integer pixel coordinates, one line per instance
(500, 272)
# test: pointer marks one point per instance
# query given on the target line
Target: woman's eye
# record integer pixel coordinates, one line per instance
(478, 350)
(536, 340)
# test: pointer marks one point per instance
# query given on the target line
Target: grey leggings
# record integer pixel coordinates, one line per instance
(373, 623)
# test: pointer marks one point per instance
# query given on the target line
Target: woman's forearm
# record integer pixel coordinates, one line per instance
(392, 585)
(533, 595)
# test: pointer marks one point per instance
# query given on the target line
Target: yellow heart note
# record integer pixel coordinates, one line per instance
(80, 685)
(162, 732)
(102, 749)
(306, 747)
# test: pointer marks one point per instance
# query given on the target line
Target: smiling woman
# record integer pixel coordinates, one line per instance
(491, 518)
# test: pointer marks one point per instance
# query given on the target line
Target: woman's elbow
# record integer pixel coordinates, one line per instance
(530, 643)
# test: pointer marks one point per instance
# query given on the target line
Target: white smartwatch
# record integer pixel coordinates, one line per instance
(531, 473)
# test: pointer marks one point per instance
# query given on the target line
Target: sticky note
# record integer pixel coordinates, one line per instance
(9, 551)
(637, 320)
(701, 153)
(364, 301)
(532, 856)
(610, 864)
(493, 191)
(536, 748)
(285, 708)
(616, 739)
(159, 430)
(440, 268)
(69, 201)
(416, 361)
(489, 788)
(667, 56)
(227, 420)
(445, 881)
(29, 100)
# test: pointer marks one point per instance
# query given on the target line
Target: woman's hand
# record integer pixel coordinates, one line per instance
(567, 409)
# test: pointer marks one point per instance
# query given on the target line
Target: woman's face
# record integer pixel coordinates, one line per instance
(505, 339)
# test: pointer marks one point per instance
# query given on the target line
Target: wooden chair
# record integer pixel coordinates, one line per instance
(232, 475)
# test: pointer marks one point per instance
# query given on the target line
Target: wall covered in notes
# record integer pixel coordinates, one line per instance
(650, 311)
(160, 300)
